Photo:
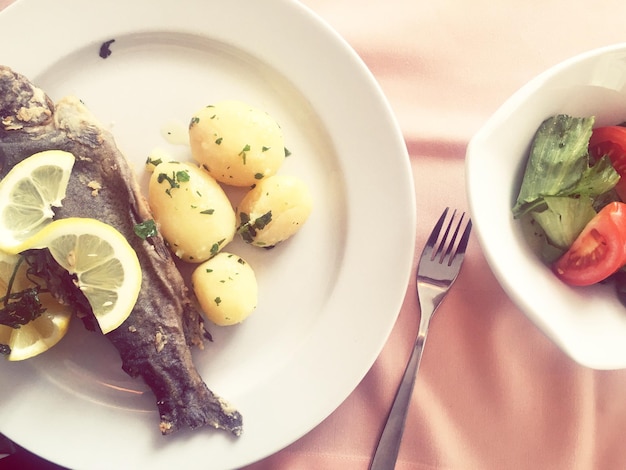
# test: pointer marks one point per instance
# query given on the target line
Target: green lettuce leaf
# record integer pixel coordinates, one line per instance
(596, 180)
(557, 162)
(564, 219)
(562, 189)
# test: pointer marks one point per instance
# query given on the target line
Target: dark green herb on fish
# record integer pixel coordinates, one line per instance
(146, 229)
(20, 308)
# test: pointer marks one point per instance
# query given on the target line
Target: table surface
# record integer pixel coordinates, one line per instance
(493, 392)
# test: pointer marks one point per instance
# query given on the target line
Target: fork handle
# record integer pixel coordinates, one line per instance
(389, 443)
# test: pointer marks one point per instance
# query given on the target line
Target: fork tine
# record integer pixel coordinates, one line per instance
(451, 245)
(465, 238)
(462, 246)
(444, 240)
(434, 236)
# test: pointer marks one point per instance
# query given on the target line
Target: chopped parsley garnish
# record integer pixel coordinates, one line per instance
(194, 120)
(242, 154)
(248, 228)
(218, 141)
(208, 211)
(105, 48)
(153, 162)
(177, 177)
(287, 152)
(145, 229)
(183, 176)
(216, 247)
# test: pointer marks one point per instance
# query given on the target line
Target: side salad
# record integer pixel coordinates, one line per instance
(572, 200)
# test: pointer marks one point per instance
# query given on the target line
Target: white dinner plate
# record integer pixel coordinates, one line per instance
(328, 297)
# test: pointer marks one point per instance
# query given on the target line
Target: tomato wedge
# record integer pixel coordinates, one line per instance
(611, 141)
(599, 250)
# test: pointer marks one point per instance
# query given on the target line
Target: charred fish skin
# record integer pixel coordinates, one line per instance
(154, 342)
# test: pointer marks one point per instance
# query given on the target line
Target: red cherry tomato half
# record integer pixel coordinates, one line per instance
(599, 250)
(611, 141)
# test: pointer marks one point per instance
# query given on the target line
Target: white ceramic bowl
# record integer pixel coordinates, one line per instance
(589, 323)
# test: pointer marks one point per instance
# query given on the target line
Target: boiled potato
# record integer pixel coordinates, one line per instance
(273, 210)
(236, 143)
(192, 211)
(226, 288)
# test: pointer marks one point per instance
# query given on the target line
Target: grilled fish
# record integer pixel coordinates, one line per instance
(154, 342)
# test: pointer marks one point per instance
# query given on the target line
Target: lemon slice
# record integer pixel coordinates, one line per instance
(106, 266)
(40, 334)
(28, 193)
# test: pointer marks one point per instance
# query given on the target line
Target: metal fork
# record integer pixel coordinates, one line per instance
(438, 268)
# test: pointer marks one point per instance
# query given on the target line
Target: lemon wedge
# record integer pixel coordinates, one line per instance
(106, 267)
(28, 193)
(39, 335)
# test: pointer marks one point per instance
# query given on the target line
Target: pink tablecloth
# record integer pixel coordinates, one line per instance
(493, 392)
